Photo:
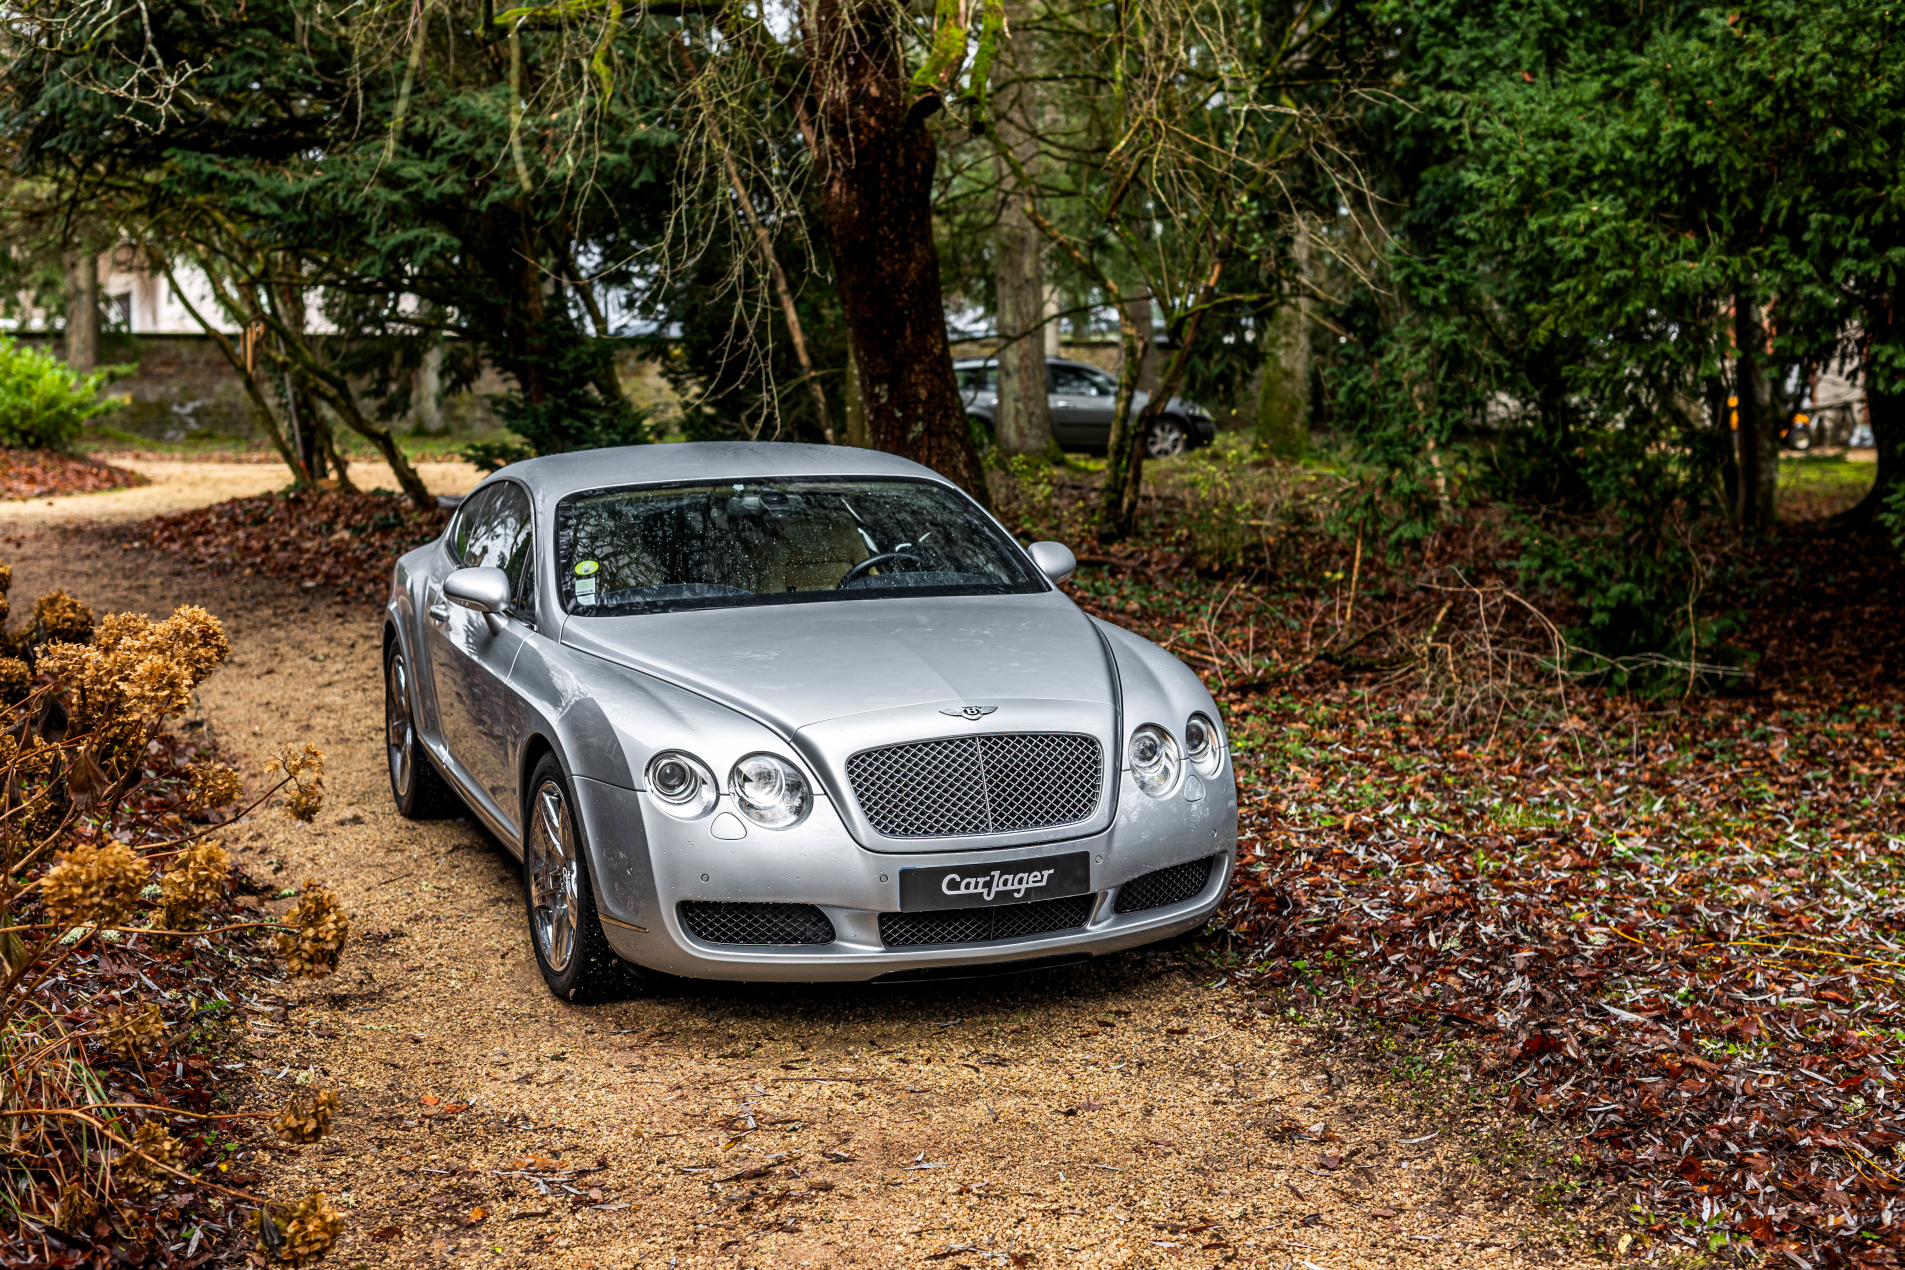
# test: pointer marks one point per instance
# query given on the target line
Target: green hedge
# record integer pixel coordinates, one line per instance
(43, 402)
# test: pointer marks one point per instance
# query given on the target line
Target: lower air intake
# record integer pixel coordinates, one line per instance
(983, 925)
(1164, 888)
(720, 923)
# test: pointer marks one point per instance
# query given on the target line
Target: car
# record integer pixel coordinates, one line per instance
(1082, 399)
(781, 712)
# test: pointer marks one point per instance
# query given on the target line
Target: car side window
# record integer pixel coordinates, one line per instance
(500, 535)
(1070, 381)
(468, 515)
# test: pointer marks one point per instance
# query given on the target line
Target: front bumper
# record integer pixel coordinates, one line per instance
(645, 864)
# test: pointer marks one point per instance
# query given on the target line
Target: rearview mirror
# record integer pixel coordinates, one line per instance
(485, 590)
(1054, 559)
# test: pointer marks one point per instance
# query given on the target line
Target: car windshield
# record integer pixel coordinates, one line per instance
(661, 548)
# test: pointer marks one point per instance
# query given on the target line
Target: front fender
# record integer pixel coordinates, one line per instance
(607, 721)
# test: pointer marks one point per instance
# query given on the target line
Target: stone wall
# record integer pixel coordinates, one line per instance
(181, 388)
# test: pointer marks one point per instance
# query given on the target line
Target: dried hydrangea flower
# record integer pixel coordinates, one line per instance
(194, 639)
(306, 1118)
(142, 1174)
(212, 785)
(16, 679)
(305, 767)
(58, 616)
(133, 1031)
(317, 928)
(197, 878)
(301, 1236)
(92, 885)
(137, 666)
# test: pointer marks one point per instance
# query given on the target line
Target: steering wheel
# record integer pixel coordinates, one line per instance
(860, 570)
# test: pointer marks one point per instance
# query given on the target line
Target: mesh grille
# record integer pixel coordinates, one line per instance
(1174, 885)
(996, 783)
(982, 925)
(719, 923)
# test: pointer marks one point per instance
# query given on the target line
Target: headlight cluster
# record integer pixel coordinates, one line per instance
(767, 789)
(1158, 762)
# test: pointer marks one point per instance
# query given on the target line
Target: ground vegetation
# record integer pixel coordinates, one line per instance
(128, 952)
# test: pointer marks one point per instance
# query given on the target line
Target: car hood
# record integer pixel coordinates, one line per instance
(794, 665)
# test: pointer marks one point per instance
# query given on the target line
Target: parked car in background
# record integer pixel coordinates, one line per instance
(795, 712)
(1082, 399)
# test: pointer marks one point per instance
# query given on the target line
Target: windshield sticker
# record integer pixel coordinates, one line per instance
(586, 569)
(585, 591)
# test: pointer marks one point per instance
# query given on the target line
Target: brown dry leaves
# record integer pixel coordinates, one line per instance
(333, 538)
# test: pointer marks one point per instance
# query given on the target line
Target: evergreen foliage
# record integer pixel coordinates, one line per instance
(1582, 200)
(43, 403)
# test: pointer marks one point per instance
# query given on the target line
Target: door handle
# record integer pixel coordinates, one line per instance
(439, 613)
(1061, 404)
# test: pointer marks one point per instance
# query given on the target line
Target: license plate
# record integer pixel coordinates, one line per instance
(987, 885)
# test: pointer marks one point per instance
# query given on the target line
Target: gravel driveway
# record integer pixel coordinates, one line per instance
(1127, 1113)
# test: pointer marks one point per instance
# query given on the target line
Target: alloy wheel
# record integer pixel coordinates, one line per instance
(1167, 438)
(399, 734)
(553, 898)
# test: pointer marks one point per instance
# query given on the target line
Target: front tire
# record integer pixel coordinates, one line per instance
(571, 951)
(416, 786)
(1168, 438)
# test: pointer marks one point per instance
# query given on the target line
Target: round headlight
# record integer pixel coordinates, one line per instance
(769, 791)
(1203, 745)
(1156, 763)
(680, 783)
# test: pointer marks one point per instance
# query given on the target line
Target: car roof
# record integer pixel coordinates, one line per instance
(554, 476)
(964, 362)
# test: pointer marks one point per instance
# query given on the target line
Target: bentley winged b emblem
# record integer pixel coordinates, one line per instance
(970, 713)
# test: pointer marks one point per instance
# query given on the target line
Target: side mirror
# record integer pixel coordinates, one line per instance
(1054, 559)
(485, 590)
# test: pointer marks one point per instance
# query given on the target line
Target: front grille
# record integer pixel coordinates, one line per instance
(995, 783)
(1169, 886)
(982, 925)
(719, 923)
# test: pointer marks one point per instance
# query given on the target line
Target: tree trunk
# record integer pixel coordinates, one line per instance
(306, 428)
(1283, 407)
(429, 407)
(1758, 460)
(1025, 416)
(1144, 318)
(82, 314)
(875, 160)
(856, 403)
(1124, 448)
(304, 433)
(1885, 415)
(1721, 415)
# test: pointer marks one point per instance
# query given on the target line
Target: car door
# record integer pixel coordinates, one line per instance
(1081, 413)
(470, 656)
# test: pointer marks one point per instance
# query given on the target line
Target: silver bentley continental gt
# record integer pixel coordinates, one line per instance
(794, 712)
